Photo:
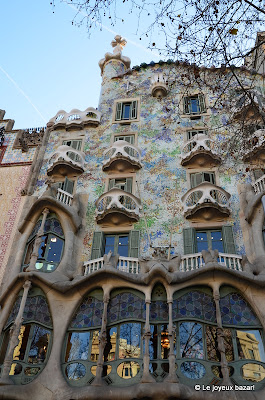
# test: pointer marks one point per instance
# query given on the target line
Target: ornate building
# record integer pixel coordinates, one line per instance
(136, 269)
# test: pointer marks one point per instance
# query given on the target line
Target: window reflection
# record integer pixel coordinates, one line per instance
(77, 346)
(95, 346)
(165, 345)
(129, 341)
(191, 345)
(39, 345)
(153, 342)
(127, 370)
(110, 348)
(249, 345)
(212, 344)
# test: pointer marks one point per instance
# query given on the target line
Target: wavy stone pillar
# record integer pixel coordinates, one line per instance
(147, 378)
(172, 377)
(14, 333)
(37, 243)
(102, 341)
(220, 338)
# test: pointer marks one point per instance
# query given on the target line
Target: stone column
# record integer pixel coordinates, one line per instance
(147, 378)
(14, 333)
(172, 377)
(37, 243)
(102, 341)
(220, 338)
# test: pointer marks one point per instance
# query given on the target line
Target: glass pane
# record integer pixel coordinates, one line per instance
(75, 371)
(253, 372)
(194, 105)
(95, 345)
(165, 344)
(217, 241)
(126, 110)
(126, 306)
(153, 342)
(249, 345)
(15, 369)
(55, 249)
(5, 341)
(202, 242)
(42, 247)
(190, 336)
(20, 349)
(127, 370)
(236, 311)
(110, 348)
(109, 244)
(77, 346)
(212, 344)
(38, 265)
(129, 341)
(31, 371)
(39, 345)
(192, 370)
(123, 246)
(88, 314)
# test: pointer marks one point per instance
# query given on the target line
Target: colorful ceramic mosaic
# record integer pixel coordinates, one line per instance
(88, 315)
(126, 306)
(36, 309)
(194, 304)
(236, 311)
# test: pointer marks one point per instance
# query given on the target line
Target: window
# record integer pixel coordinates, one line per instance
(126, 110)
(191, 134)
(258, 173)
(121, 183)
(194, 104)
(75, 144)
(128, 138)
(32, 351)
(51, 247)
(200, 177)
(125, 244)
(67, 186)
(209, 240)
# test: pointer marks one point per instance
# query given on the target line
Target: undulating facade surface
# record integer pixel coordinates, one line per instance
(133, 240)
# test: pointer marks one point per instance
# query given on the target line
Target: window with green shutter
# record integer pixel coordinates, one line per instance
(126, 110)
(124, 244)
(200, 177)
(128, 138)
(67, 186)
(122, 184)
(194, 104)
(75, 144)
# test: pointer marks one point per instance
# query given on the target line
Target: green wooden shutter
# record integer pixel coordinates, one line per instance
(189, 238)
(196, 179)
(128, 185)
(186, 102)
(133, 110)
(202, 105)
(68, 186)
(228, 239)
(111, 183)
(118, 111)
(97, 246)
(134, 242)
(76, 144)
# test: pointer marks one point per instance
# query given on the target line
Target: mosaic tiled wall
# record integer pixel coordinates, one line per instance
(12, 156)
(162, 180)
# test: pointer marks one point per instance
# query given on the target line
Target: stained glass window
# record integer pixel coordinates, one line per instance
(159, 310)
(236, 311)
(195, 304)
(89, 314)
(126, 306)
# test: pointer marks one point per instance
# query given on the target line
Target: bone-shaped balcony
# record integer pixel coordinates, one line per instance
(66, 161)
(117, 207)
(122, 157)
(200, 151)
(206, 202)
(159, 86)
(255, 148)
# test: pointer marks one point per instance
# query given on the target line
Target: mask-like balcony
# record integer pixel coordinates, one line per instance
(117, 207)
(66, 161)
(255, 149)
(122, 157)
(200, 151)
(206, 202)
(159, 86)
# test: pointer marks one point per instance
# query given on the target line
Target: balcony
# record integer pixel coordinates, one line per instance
(200, 151)
(75, 119)
(159, 86)
(64, 197)
(117, 207)
(206, 202)
(189, 262)
(122, 157)
(259, 185)
(256, 148)
(66, 161)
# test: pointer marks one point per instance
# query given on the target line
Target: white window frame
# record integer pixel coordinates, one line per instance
(134, 110)
(202, 104)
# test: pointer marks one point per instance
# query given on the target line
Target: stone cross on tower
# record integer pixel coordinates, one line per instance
(118, 43)
(124, 62)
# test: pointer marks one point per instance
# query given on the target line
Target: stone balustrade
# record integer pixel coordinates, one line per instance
(206, 195)
(200, 144)
(66, 155)
(117, 201)
(64, 197)
(122, 151)
(75, 119)
(125, 264)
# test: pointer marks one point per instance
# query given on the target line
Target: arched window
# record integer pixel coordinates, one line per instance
(51, 248)
(123, 352)
(34, 341)
(82, 342)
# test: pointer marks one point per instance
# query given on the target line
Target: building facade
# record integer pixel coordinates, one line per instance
(136, 265)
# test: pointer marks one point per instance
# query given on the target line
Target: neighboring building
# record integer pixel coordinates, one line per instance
(137, 265)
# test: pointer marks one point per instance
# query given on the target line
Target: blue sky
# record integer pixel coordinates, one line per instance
(48, 64)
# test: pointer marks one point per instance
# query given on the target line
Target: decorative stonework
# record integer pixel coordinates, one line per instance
(28, 138)
(256, 148)
(66, 160)
(118, 43)
(200, 151)
(122, 156)
(75, 119)
(159, 86)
